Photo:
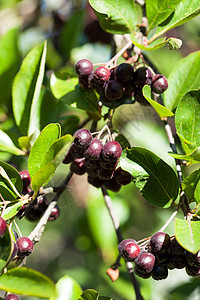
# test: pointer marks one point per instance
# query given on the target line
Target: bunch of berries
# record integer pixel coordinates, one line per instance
(89, 155)
(118, 84)
(161, 254)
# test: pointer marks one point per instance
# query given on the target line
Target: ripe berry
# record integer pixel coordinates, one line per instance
(192, 271)
(92, 172)
(142, 76)
(2, 226)
(68, 158)
(95, 181)
(83, 67)
(38, 209)
(138, 95)
(159, 84)
(159, 272)
(124, 72)
(101, 75)
(176, 248)
(82, 138)
(129, 250)
(12, 297)
(25, 176)
(105, 174)
(141, 274)
(94, 150)
(25, 246)
(122, 177)
(145, 262)
(178, 261)
(91, 164)
(128, 88)
(78, 167)
(113, 90)
(110, 165)
(111, 151)
(193, 259)
(55, 213)
(76, 151)
(112, 185)
(160, 242)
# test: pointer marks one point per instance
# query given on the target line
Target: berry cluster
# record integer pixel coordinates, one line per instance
(89, 155)
(162, 253)
(40, 204)
(120, 83)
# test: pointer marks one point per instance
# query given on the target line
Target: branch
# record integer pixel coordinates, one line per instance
(116, 224)
(37, 232)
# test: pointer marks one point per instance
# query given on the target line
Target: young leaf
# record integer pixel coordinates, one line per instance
(11, 210)
(182, 79)
(162, 186)
(90, 295)
(158, 11)
(41, 146)
(51, 161)
(26, 92)
(161, 110)
(183, 12)
(153, 46)
(28, 282)
(116, 16)
(67, 289)
(25, 142)
(10, 182)
(188, 119)
(190, 183)
(6, 249)
(7, 145)
(187, 234)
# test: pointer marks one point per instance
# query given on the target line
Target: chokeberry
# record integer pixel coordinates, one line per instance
(113, 90)
(176, 248)
(142, 274)
(94, 150)
(178, 261)
(83, 67)
(95, 181)
(193, 259)
(159, 272)
(159, 84)
(82, 138)
(101, 75)
(112, 185)
(145, 262)
(78, 167)
(192, 271)
(122, 177)
(160, 242)
(38, 209)
(124, 72)
(12, 297)
(111, 151)
(105, 174)
(25, 176)
(138, 95)
(2, 226)
(75, 151)
(142, 76)
(129, 250)
(25, 246)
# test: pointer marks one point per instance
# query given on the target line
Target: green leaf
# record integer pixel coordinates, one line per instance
(90, 295)
(187, 234)
(26, 92)
(70, 124)
(66, 88)
(6, 249)
(10, 182)
(161, 110)
(158, 11)
(7, 145)
(123, 141)
(153, 46)
(197, 192)
(187, 119)
(182, 79)
(67, 289)
(25, 281)
(12, 209)
(25, 142)
(183, 12)
(190, 183)
(51, 161)
(41, 146)
(162, 186)
(116, 16)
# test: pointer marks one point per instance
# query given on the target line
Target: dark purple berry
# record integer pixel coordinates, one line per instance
(83, 82)
(113, 90)
(94, 150)
(129, 250)
(105, 174)
(12, 297)
(68, 158)
(142, 274)
(159, 84)
(145, 262)
(122, 177)
(193, 259)
(128, 88)
(101, 75)
(55, 213)
(14, 252)
(112, 73)
(111, 151)
(178, 261)
(176, 248)
(25, 246)
(78, 167)
(2, 226)
(159, 272)
(142, 76)
(112, 185)
(92, 172)
(110, 165)
(124, 72)
(95, 85)
(160, 242)
(22, 209)
(95, 181)
(91, 164)
(138, 95)
(162, 257)
(83, 67)
(25, 176)
(76, 152)
(82, 138)
(37, 210)
(192, 271)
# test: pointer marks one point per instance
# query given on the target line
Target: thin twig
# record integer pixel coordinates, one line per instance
(169, 220)
(116, 224)
(114, 58)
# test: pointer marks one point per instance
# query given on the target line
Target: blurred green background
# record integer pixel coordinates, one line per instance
(82, 242)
